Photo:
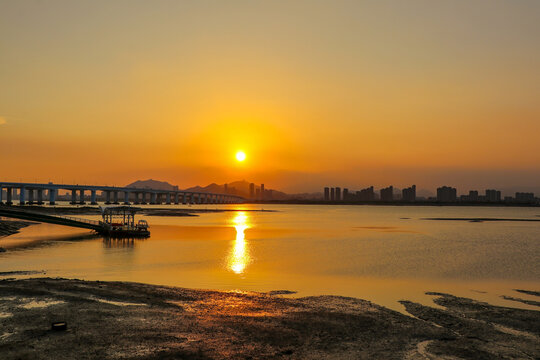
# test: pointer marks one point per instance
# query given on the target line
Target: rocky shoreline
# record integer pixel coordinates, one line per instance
(118, 320)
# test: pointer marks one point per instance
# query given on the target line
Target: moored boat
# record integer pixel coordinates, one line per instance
(119, 221)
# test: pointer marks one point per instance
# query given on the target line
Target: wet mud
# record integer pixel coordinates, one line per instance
(10, 227)
(119, 320)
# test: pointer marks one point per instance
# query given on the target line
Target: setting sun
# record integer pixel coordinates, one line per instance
(240, 156)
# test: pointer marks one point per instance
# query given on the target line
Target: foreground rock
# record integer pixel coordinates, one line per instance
(112, 320)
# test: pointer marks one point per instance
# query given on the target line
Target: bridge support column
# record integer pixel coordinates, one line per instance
(136, 201)
(9, 194)
(73, 197)
(126, 197)
(153, 197)
(40, 196)
(107, 197)
(52, 197)
(81, 197)
(22, 194)
(1, 195)
(31, 196)
(168, 198)
(143, 198)
(176, 196)
(115, 196)
(93, 197)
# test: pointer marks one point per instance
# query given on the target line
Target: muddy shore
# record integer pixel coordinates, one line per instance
(10, 227)
(117, 320)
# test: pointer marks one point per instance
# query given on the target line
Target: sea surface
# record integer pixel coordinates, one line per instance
(379, 253)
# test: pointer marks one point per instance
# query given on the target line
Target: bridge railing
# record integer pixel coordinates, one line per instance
(92, 222)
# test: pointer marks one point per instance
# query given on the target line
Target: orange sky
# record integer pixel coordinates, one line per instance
(317, 93)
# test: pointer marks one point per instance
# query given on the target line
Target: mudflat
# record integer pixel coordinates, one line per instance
(119, 320)
(10, 227)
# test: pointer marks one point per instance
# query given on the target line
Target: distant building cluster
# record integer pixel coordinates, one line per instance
(259, 193)
(445, 194)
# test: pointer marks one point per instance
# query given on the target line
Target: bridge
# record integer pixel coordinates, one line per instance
(35, 193)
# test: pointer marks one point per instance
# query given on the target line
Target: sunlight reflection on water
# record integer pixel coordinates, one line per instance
(239, 257)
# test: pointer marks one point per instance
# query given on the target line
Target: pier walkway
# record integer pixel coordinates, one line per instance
(51, 219)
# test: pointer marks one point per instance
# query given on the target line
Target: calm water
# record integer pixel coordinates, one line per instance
(379, 253)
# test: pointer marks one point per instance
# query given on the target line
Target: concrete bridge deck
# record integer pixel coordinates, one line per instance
(35, 193)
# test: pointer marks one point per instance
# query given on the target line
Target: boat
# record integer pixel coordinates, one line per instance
(119, 221)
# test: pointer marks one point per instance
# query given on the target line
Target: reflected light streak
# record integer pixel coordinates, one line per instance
(239, 257)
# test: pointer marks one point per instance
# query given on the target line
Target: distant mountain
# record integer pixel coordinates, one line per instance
(240, 188)
(152, 184)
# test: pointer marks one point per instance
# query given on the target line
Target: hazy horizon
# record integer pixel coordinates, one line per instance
(347, 93)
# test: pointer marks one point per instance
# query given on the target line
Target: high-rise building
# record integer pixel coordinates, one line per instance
(332, 194)
(493, 195)
(446, 194)
(326, 194)
(338, 193)
(409, 194)
(387, 194)
(524, 197)
(262, 191)
(473, 195)
(346, 194)
(251, 190)
(367, 194)
(257, 193)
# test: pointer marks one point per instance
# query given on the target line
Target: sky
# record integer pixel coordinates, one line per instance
(316, 93)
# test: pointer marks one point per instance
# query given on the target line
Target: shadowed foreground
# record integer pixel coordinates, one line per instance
(113, 320)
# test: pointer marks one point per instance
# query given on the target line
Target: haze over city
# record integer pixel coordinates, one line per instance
(315, 93)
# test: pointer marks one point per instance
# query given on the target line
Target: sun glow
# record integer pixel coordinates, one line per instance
(240, 156)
